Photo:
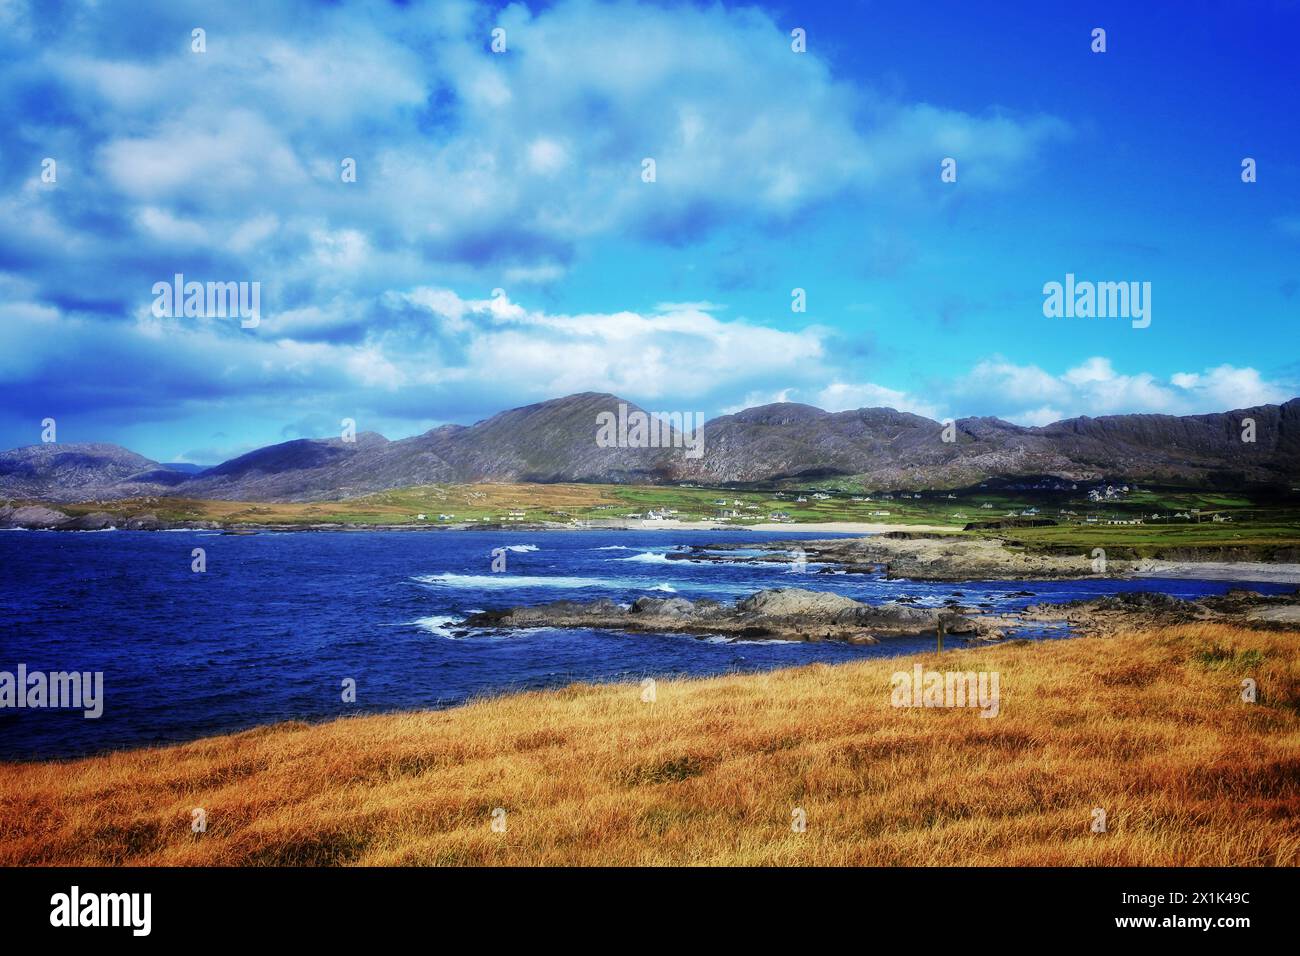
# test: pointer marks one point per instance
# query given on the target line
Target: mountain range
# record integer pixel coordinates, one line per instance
(555, 441)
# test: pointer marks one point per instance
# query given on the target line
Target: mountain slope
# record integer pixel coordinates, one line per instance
(549, 441)
(557, 441)
(79, 469)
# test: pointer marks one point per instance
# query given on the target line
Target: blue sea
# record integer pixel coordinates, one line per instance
(277, 622)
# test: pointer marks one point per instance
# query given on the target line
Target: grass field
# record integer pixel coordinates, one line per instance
(1148, 727)
(1265, 529)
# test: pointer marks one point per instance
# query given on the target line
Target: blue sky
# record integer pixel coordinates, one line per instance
(499, 246)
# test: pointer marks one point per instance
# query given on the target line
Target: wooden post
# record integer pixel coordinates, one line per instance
(939, 628)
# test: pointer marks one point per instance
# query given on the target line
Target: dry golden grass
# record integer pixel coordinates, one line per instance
(397, 507)
(1148, 726)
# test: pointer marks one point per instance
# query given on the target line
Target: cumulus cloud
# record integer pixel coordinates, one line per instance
(474, 171)
(1029, 395)
(409, 356)
(841, 396)
(485, 167)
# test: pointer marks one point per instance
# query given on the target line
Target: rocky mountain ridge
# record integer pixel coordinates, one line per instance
(556, 441)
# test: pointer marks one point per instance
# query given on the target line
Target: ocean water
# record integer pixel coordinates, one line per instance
(278, 621)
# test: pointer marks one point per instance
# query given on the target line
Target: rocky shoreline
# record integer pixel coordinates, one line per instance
(1106, 615)
(917, 556)
(797, 614)
(790, 614)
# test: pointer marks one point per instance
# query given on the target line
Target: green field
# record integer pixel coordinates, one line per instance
(1186, 518)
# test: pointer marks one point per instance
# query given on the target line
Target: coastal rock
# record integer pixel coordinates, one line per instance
(144, 522)
(95, 521)
(1146, 608)
(30, 516)
(916, 557)
(665, 606)
(792, 614)
(796, 602)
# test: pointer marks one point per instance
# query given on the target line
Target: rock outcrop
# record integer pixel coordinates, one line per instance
(792, 614)
(30, 516)
(913, 556)
(1131, 609)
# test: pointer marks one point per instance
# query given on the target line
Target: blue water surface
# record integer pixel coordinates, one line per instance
(277, 622)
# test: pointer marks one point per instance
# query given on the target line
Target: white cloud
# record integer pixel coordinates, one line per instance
(676, 354)
(1043, 415)
(497, 166)
(1094, 387)
(843, 396)
(758, 399)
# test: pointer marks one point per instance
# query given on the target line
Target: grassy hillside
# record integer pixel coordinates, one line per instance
(1271, 521)
(1148, 727)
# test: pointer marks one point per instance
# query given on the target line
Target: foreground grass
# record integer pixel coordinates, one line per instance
(1150, 727)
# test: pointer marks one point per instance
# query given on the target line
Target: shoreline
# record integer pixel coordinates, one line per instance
(599, 524)
(925, 553)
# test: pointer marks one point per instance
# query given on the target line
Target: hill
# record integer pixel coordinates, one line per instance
(556, 441)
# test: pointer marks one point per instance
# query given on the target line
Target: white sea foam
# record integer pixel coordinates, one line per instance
(522, 548)
(501, 581)
(723, 639)
(648, 557)
(436, 624)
